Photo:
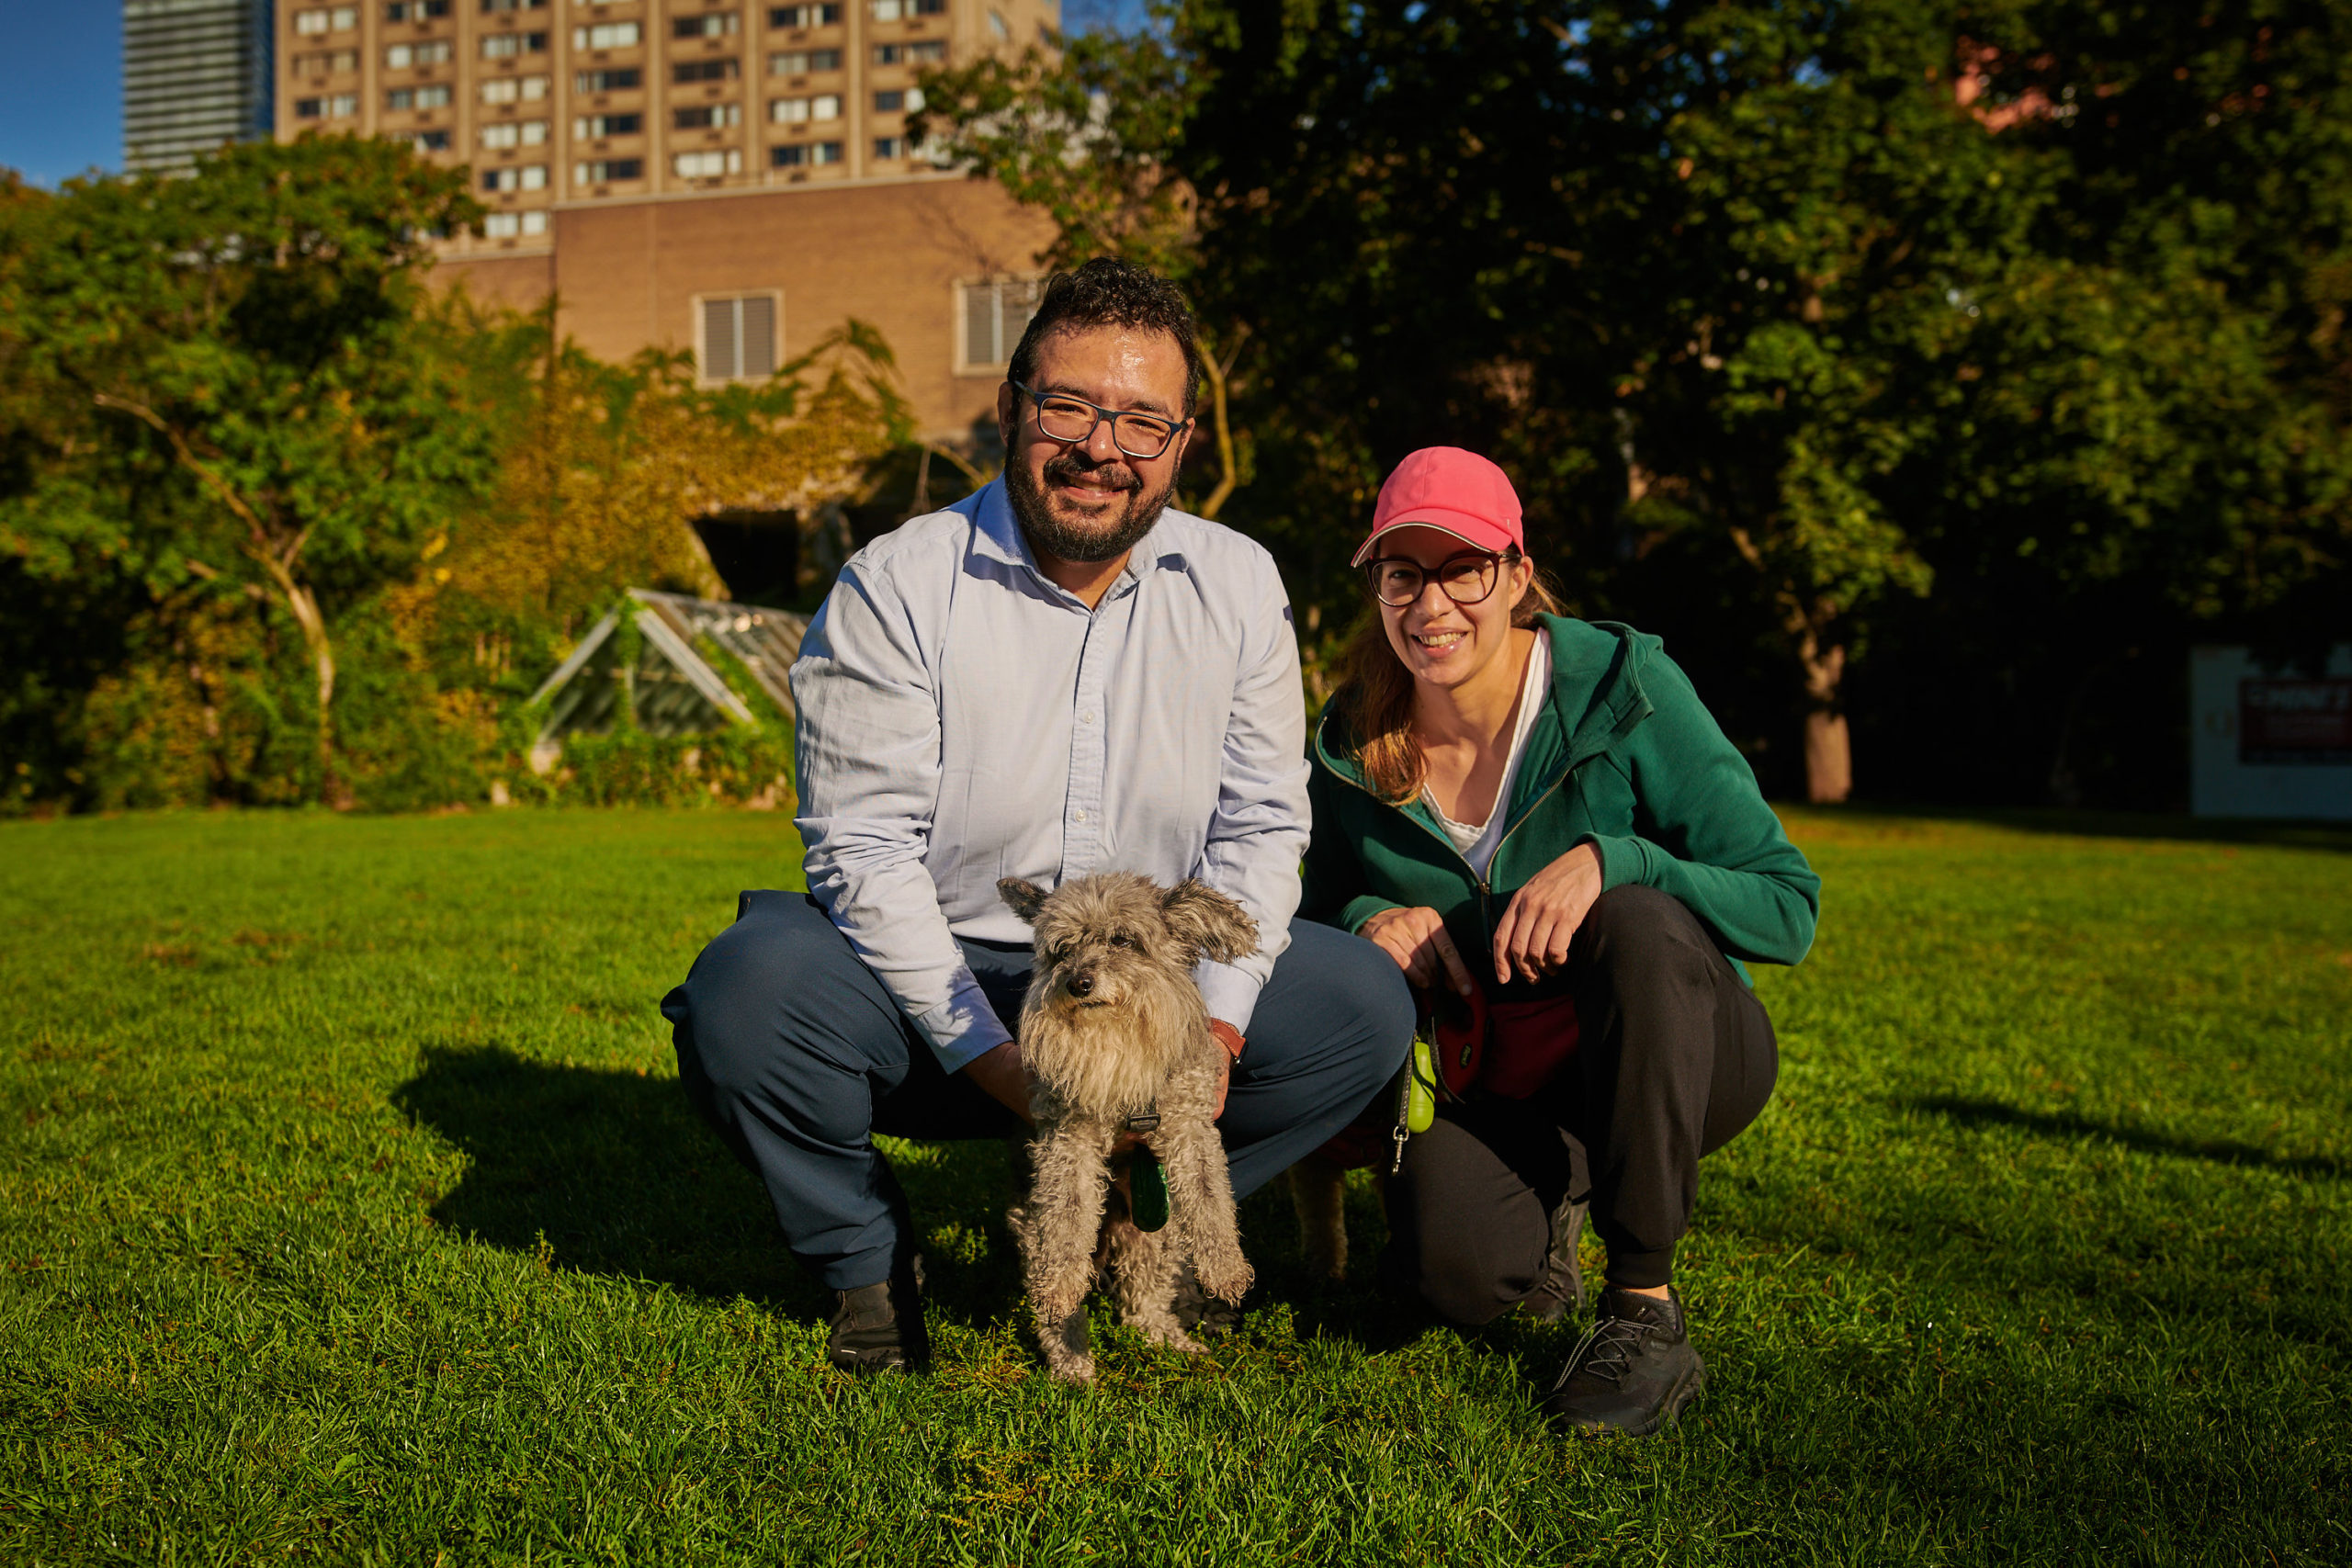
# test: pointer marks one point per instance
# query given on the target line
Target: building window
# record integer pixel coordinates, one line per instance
(800, 61)
(526, 177)
(603, 171)
(506, 225)
(488, 6)
(710, 24)
(707, 165)
(899, 100)
(506, 46)
(887, 148)
(899, 10)
(827, 151)
(738, 338)
(516, 133)
(608, 35)
(424, 141)
(994, 316)
(791, 155)
(705, 71)
(326, 64)
(596, 127)
(400, 56)
(927, 51)
(620, 80)
(798, 111)
(803, 16)
(998, 26)
(327, 19)
(334, 106)
(433, 98)
(415, 10)
(514, 89)
(708, 117)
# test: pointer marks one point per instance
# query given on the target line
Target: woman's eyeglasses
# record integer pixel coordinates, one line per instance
(1465, 579)
(1065, 418)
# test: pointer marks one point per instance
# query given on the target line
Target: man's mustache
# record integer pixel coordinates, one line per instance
(1072, 464)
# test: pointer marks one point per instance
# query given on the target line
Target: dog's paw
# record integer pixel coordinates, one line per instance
(1076, 1370)
(1175, 1339)
(1227, 1281)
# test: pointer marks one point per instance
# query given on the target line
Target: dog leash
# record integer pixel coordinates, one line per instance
(1146, 1182)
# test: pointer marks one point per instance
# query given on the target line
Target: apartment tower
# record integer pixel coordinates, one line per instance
(195, 73)
(719, 175)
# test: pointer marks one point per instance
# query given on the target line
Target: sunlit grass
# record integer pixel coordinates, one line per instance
(349, 1210)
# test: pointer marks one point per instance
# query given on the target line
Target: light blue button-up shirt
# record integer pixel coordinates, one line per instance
(963, 720)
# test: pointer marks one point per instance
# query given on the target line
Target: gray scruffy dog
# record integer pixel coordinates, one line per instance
(1114, 1029)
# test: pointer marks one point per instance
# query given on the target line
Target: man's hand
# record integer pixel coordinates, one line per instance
(1416, 939)
(1000, 1072)
(1532, 939)
(1231, 1038)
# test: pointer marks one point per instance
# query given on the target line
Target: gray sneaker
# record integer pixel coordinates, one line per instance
(1562, 1289)
(1632, 1373)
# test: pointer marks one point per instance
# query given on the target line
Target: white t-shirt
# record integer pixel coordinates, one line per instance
(1478, 840)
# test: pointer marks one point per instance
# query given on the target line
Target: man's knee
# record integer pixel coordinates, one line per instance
(1369, 999)
(757, 998)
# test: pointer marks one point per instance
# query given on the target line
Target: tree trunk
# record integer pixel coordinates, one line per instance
(305, 607)
(1829, 747)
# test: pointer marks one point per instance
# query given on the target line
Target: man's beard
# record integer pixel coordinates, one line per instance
(1031, 504)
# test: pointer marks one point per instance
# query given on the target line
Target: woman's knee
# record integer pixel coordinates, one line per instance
(1633, 930)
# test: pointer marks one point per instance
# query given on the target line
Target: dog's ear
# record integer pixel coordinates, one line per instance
(1026, 897)
(1208, 922)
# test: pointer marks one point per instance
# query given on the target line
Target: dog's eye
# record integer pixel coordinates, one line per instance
(1122, 938)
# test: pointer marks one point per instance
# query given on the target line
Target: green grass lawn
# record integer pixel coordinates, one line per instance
(349, 1212)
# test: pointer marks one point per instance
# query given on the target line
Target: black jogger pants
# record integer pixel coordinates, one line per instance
(1676, 1058)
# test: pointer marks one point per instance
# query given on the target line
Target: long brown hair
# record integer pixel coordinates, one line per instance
(1376, 696)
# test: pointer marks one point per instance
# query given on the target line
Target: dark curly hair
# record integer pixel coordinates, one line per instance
(1106, 292)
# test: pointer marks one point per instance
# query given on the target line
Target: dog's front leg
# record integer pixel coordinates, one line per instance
(1060, 1223)
(1200, 1194)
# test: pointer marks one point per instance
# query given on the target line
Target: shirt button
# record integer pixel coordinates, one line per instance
(1086, 718)
(1078, 816)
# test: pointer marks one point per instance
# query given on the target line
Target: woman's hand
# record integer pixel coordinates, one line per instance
(1532, 939)
(1416, 939)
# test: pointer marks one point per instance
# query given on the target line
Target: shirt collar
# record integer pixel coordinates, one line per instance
(997, 535)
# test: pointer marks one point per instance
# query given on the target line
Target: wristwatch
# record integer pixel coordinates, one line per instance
(1228, 1037)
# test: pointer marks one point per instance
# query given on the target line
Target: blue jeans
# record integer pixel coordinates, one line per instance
(793, 1051)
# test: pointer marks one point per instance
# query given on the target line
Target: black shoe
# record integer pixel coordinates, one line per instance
(1632, 1373)
(879, 1327)
(1562, 1291)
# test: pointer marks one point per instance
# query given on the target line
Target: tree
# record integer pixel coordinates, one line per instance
(245, 405)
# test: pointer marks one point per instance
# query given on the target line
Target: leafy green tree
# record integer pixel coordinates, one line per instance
(1855, 301)
(243, 402)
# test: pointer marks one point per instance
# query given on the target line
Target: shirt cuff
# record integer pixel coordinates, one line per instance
(964, 1028)
(1231, 994)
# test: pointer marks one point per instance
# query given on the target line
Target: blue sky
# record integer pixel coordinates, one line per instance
(60, 86)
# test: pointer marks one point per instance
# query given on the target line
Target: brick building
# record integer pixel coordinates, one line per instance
(720, 176)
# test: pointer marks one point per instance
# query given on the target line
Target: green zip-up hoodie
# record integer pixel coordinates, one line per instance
(1624, 757)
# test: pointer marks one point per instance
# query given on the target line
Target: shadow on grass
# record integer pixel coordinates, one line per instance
(2051, 1124)
(2331, 836)
(616, 1175)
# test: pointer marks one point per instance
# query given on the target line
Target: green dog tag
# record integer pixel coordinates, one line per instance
(1147, 1189)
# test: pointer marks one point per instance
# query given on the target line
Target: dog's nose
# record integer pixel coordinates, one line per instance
(1080, 985)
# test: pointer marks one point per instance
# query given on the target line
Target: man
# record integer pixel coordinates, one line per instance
(1055, 676)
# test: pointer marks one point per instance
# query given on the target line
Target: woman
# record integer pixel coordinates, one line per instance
(1535, 814)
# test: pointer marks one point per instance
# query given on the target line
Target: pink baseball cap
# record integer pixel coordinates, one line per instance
(1455, 492)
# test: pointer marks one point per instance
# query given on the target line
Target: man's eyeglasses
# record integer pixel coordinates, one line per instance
(1465, 579)
(1069, 419)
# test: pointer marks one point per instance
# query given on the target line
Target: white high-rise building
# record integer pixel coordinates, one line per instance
(195, 73)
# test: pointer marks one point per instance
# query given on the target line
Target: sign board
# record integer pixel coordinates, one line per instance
(2269, 743)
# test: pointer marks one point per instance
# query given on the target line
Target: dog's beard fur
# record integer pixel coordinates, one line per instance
(1111, 1060)
(1110, 1053)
